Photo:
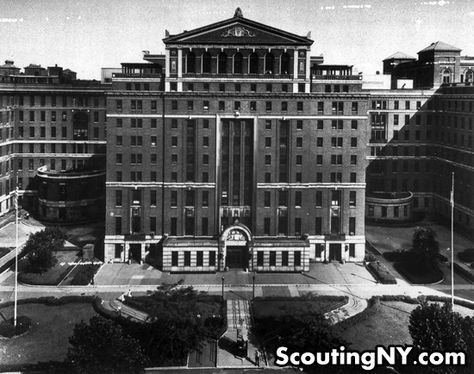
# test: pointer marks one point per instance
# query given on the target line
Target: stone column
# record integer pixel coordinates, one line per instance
(180, 70)
(295, 70)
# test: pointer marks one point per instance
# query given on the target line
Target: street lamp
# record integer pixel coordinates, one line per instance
(452, 240)
(253, 286)
(223, 280)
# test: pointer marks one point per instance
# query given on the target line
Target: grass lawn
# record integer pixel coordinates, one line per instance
(385, 325)
(47, 340)
(273, 307)
(54, 275)
(419, 275)
(4, 251)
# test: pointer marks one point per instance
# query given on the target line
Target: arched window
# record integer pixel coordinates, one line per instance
(285, 63)
(238, 63)
(446, 76)
(222, 64)
(206, 62)
(190, 62)
(469, 76)
(253, 63)
(269, 63)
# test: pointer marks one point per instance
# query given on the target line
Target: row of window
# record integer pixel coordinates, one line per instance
(78, 133)
(336, 107)
(52, 100)
(334, 177)
(282, 225)
(383, 104)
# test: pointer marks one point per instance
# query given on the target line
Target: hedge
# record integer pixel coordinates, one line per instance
(51, 300)
(381, 272)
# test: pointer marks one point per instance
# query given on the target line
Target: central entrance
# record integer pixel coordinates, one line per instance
(236, 257)
(335, 252)
(235, 247)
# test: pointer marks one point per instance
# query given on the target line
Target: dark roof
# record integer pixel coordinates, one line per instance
(400, 56)
(243, 32)
(440, 46)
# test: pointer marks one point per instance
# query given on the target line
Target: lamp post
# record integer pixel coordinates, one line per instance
(253, 286)
(223, 280)
(15, 306)
(452, 240)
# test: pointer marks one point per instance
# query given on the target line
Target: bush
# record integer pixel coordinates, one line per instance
(84, 275)
(8, 330)
(381, 272)
(467, 255)
(419, 273)
(369, 257)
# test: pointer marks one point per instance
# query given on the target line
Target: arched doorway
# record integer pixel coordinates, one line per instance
(235, 244)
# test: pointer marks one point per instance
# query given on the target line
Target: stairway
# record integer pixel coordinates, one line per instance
(238, 318)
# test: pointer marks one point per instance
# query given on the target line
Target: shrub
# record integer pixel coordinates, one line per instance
(380, 272)
(8, 330)
(84, 275)
(467, 255)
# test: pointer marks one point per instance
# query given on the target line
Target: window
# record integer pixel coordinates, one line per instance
(212, 258)
(190, 105)
(299, 124)
(353, 159)
(407, 105)
(299, 160)
(187, 258)
(272, 261)
(284, 106)
(221, 105)
(353, 142)
(319, 159)
(174, 258)
(268, 160)
(199, 258)
(260, 258)
(320, 107)
(299, 106)
(352, 225)
(153, 198)
(205, 199)
(355, 107)
(268, 106)
(118, 198)
(174, 104)
(118, 225)
(352, 198)
(318, 226)
(354, 124)
(268, 142)
(299, 142)
(298, 199)
(297, 258)
(284, 258)
(174, 199)
(253, 105)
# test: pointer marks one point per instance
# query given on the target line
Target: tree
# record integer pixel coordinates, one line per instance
(425, 247)
(40, 247)
(102, 347)
(299, 333)
(437, 328)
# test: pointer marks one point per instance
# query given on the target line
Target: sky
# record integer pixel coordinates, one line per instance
(86, 35)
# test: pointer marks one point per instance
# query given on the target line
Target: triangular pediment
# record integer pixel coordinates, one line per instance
(238, 30)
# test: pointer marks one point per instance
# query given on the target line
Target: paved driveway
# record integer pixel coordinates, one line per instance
(332, 273)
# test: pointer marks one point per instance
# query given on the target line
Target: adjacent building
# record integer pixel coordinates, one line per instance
(52, 143)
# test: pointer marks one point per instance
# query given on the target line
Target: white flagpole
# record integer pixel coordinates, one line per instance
(16, 253)
(452, 240)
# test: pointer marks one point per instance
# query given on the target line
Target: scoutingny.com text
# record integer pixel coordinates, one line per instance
(369, 360)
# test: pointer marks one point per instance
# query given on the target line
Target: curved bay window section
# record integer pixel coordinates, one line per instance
(71, 196)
